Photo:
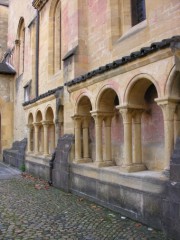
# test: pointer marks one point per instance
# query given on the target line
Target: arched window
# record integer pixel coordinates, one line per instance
(55, 37)
(21, 42)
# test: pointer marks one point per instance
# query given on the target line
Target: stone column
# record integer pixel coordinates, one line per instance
(98, 131)
(36, 132)
(98, 118)
(137, 158)
(168, 108)
(46, 146)
(127, 122)
(86, 139)
(30, 126)
(78, 147)
(108, 154)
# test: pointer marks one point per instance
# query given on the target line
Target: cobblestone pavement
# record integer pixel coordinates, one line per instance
(30, 209)
(7, 172)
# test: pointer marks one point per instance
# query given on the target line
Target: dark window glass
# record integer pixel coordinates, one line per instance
(138, 11)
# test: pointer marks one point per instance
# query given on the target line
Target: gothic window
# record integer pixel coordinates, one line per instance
(138, 11)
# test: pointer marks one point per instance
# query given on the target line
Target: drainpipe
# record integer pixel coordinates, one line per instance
(37, 54)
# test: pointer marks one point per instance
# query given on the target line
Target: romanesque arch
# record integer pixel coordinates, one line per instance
(84, 128)
(170, 105)
(39, 133)
(143, 125)
(49, 131)
(30, 133)
(108, 124)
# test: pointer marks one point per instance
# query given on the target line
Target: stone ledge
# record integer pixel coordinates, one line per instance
(147, 181)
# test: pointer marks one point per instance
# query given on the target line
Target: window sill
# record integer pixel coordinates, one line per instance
(135, 29)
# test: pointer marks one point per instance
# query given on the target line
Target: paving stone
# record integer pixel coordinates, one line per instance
(29, 213)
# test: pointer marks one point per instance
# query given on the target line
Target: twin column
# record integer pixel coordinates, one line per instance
(36, 126)
(132, 157)
(82, 139)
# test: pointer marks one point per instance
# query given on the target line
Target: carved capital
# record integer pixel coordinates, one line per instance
(77, 120)
(126, 114)
(137, 114)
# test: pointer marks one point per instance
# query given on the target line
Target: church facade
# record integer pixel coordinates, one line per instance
(102, 79)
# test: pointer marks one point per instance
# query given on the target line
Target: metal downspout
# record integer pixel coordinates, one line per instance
(37, 54)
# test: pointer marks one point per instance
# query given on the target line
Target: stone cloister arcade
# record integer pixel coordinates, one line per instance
(136, 131)
(41, 132)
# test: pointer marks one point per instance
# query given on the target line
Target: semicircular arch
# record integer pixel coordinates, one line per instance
(107, 97)
(137, 87)
(83, 104)
(172, 87)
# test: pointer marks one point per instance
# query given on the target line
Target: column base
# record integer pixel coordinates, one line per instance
(83, 160)
(104, 164)
(132, 168)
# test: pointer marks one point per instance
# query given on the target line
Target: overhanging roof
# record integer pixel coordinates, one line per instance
(145, 51)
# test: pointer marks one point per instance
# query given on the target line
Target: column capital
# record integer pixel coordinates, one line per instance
(168, 107)
(101, 115)
(78, 120)
(46, 123)
(108, 120)
(126, 114)
(76, 116)
(37, 124)
(98, 118)
(30, 125)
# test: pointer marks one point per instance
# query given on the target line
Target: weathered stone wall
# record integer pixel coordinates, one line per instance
(3, 29)
(26, 12)
(6, 110)
(138, 196)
